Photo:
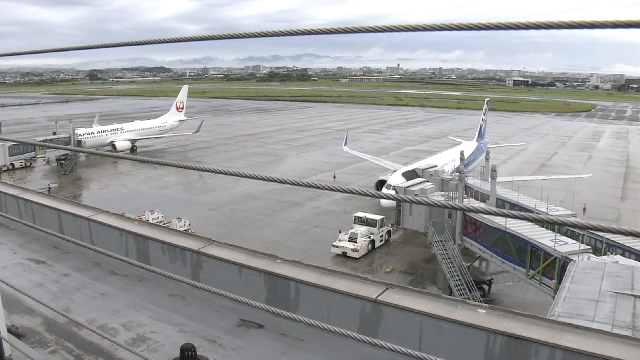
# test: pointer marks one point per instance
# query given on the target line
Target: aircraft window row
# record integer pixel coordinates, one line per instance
(126, 131)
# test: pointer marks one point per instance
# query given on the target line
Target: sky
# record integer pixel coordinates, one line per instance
(36, 24)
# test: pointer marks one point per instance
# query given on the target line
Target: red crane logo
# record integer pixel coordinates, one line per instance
(180, 106)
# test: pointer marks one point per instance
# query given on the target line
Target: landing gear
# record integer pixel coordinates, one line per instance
(134, 149)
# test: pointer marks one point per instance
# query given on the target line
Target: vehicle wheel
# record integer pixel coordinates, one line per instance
(12, 166)
(482, 291)
(133, 149)
(370, 246)
(387, 236)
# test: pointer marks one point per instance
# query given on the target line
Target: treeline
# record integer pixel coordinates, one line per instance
(272, 76)
(151, 69)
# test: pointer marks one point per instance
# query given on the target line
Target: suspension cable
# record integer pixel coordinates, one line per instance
(479, 209)
(343, 30)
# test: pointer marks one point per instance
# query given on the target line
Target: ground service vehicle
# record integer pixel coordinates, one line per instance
(15, 156)
(367, 233)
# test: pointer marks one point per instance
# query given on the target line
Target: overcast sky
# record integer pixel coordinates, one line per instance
(35, 24)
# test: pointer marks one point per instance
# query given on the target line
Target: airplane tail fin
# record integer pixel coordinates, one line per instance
(483, 122)
(179, 108)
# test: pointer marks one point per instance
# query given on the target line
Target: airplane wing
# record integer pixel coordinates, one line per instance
(456, 139)
(501, 145)
(540, 177)
(133, 139)
(388, 164)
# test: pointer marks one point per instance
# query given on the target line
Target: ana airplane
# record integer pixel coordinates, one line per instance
(123, 137)
(448, 161)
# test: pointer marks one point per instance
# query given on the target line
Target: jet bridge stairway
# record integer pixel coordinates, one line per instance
(69, 163)
(454, 269)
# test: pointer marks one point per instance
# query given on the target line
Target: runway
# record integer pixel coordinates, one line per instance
(303, 141)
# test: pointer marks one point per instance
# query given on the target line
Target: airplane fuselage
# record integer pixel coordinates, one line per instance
(102, 136)
(448, 160)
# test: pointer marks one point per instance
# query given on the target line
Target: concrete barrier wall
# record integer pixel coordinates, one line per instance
(444, 327)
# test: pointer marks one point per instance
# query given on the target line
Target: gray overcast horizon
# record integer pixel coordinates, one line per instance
(35, 24)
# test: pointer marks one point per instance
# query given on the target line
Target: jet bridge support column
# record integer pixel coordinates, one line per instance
(485, 170)
(493, 192)
(73, 156)
(459, 214)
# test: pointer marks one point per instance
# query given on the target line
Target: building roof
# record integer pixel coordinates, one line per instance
(602, 295)
(550, 241)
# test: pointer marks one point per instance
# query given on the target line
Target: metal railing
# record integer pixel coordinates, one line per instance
(452, 272)
(20, 347)
(454, 253)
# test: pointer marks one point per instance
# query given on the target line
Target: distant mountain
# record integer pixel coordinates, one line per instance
(302, 60)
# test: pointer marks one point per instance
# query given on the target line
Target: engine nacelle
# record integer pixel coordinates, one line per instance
(120, 146)
(382, 182)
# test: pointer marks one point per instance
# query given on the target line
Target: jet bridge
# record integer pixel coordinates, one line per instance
(531, 252)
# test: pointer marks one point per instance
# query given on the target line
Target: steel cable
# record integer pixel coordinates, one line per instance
(316, 324)
(479, 209)
(343, 30)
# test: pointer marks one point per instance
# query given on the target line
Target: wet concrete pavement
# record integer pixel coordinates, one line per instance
(148, 312)
(303, 141)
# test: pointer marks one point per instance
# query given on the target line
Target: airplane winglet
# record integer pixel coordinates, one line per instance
(344, 143)
(199, 127)
(95, 121)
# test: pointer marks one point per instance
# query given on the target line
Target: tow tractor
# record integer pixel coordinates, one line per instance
(367, 233)
(156, 217)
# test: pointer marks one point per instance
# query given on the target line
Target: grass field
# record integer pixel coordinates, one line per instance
(381, 97)
(473, 93)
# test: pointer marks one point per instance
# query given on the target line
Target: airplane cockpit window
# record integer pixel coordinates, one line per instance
(410, 175)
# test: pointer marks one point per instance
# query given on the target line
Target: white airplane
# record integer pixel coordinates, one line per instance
(123, 137)
(447, 160)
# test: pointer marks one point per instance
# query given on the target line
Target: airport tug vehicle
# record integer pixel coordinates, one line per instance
(367, 233)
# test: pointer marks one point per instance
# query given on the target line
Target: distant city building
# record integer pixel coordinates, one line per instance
(365, 78)
(518, 82)
(630, 82)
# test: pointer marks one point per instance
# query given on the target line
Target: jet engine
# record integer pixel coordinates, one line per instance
(120, 146)
(382, 182)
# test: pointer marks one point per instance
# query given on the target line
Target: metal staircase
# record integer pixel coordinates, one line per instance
(457, 259)
(69, 163)
(455, 271)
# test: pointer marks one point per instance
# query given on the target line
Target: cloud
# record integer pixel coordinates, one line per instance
(33, 24)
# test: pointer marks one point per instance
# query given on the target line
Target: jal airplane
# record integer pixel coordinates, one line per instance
(447, 160)
(123, 137)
